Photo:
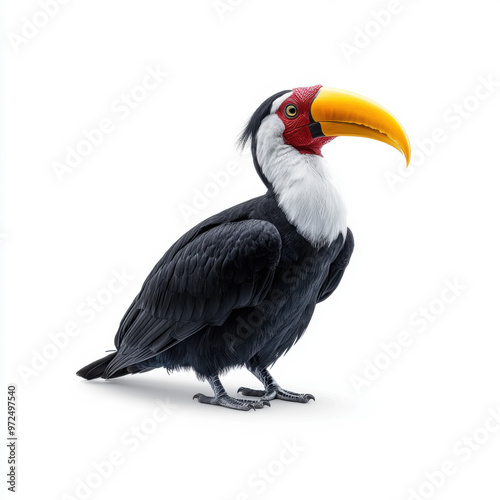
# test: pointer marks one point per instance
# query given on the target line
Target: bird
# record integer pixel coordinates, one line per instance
(239, 289)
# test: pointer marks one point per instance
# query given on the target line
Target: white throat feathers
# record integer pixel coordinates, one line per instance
(304, 188)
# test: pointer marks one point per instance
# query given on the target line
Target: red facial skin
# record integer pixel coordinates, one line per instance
(297, 133)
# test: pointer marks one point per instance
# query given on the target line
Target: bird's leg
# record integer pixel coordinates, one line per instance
(221, 398)
(272, 390)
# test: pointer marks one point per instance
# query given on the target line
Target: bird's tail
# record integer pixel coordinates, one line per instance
(96, 368)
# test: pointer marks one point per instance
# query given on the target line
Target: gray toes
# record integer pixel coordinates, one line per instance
(294, 397)
(248, 404)
(204, 399)
(251, 392)
(305, 398)
(233, 403)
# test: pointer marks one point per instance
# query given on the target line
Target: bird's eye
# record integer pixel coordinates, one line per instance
(291, 111)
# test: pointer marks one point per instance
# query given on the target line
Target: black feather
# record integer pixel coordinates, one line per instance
(250, 131)
(96, 368)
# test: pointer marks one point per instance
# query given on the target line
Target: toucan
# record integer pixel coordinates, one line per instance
(239, 289)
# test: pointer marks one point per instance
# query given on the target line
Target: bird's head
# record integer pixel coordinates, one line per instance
(306, 118)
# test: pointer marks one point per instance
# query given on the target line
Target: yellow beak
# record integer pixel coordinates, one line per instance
(338, 112)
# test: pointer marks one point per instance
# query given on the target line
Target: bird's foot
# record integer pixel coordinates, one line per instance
(276, 393)
(233, 403)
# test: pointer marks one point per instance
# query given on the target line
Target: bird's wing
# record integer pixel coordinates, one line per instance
(337, 268)
(226, 267)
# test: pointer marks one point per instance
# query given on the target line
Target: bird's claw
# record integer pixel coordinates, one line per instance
(233, 403)
(276, 393)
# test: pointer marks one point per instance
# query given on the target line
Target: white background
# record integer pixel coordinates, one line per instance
(122, 207)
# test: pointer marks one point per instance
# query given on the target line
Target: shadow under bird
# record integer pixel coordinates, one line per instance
(239, 289)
